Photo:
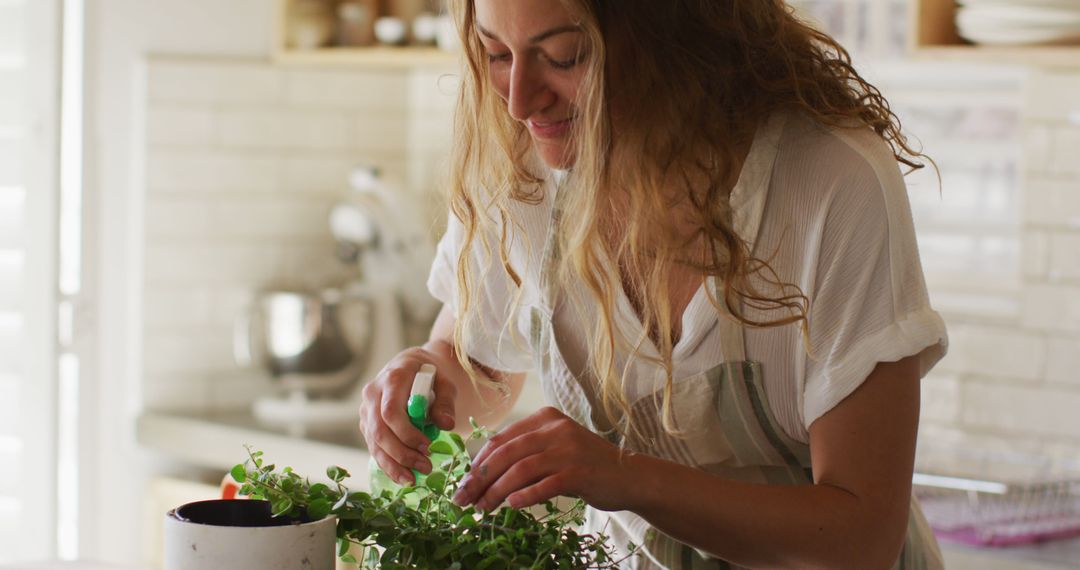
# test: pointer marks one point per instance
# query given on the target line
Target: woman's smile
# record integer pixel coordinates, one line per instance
(549, 130)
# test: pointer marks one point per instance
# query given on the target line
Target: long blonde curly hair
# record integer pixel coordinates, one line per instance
(698, 77)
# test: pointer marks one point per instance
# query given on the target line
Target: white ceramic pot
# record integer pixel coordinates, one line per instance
(239, 535)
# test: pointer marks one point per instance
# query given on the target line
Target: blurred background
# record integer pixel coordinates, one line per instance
(216, 220)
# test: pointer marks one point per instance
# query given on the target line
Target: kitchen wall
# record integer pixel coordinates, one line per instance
(1012, 382)
(244, 161)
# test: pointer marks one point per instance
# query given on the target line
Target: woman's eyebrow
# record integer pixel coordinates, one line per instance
(569, 28)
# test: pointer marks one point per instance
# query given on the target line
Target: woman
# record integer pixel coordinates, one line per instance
(688, 216)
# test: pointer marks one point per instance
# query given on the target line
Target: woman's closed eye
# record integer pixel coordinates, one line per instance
(564, 64)
(553, 62)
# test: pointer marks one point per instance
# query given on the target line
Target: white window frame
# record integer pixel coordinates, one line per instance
(37, 538)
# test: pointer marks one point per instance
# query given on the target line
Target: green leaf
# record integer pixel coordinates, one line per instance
(436, 481)
(348, 558)
(340, 502)
(336, 474)
(460, 443)
(444, 550)
(381, 520)
(239, 473)
(318, 490)
(281, 506)
(441, 447)
(318, 509)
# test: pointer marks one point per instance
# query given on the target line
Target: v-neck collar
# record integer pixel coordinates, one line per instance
(748, 204)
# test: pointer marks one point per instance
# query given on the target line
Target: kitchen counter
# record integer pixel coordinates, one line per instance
(215, 440)
(1053, 555)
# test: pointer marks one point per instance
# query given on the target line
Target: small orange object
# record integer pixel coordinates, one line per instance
(230, 488)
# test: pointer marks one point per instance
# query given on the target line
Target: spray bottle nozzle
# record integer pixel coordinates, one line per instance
(420, 400)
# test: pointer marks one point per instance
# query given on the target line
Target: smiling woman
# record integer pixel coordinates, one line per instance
(689, 218)
(536, 73)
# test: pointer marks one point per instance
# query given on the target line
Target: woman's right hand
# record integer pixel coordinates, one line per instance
(397, 446)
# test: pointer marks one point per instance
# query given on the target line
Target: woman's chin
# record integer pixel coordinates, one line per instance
(559, 156)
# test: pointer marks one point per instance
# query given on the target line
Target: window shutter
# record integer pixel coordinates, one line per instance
(29, 94)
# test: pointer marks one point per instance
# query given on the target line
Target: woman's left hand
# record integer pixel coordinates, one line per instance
(544, 456)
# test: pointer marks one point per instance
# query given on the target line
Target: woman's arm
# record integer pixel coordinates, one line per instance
(854, 516)
(397, 446)
(488, 406)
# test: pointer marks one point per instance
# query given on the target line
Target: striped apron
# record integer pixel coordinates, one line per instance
(728, 429)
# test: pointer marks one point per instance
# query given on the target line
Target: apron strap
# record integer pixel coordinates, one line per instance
(732, 333)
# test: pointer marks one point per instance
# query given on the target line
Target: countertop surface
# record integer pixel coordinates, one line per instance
(216, 440)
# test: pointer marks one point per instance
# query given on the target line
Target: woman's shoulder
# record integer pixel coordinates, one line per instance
(834, 156)
(817, 147)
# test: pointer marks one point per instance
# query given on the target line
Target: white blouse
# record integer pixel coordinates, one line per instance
(827, 207)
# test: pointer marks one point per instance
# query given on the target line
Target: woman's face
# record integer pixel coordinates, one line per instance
(536, 57)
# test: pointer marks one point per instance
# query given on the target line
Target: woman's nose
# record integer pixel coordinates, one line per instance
(528, 91)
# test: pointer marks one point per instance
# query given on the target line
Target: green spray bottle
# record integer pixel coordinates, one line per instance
(421, 398)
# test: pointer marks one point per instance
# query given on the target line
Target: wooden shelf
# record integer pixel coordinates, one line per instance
(373, 57)
(934, 36)
(380, 57)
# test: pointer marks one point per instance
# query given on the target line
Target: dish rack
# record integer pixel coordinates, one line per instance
(998, 498)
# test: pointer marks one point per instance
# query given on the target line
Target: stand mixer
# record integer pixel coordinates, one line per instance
(322, 346)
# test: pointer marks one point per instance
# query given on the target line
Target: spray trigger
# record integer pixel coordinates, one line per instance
(420, 400)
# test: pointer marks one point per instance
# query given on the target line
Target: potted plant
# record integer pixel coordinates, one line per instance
(243, 535)
(411, 527)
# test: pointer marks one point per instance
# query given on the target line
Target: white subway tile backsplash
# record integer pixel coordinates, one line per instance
(362, 90)
(1065, 256)
(381, 134)
(218, 81)
(194, 352)
(1038, 148)
(175, 391)
(940, 398)
(315, 265)
(238, 388)
(1044, 410)
(178, 216)
(1053, 201)
(431, 133)
(1053, 308)
(272, 218)
(212, 171)
(1035, 256)
(273, 129)
(319, 173)
(188, 125)
(213, 263)
(434, 91)
(181, 307)
(1052, 97)
(1066, 150)
(228, 303)
(1063, 359)
(994, 351)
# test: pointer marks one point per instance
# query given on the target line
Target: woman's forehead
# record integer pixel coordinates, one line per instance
(521, 20)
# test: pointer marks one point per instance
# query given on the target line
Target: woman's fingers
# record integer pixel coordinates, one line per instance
(533, 422)
(395, 402)
(520, 475)
(443, 409)
(544, 490)
(387, 441)
(397, 446)
(509, 460)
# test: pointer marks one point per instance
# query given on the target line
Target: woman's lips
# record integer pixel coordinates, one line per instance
(549, 129)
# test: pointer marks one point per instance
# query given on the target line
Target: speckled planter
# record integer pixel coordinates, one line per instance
(241, 535)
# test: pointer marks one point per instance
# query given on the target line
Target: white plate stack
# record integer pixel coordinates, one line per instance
(1019, 22)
